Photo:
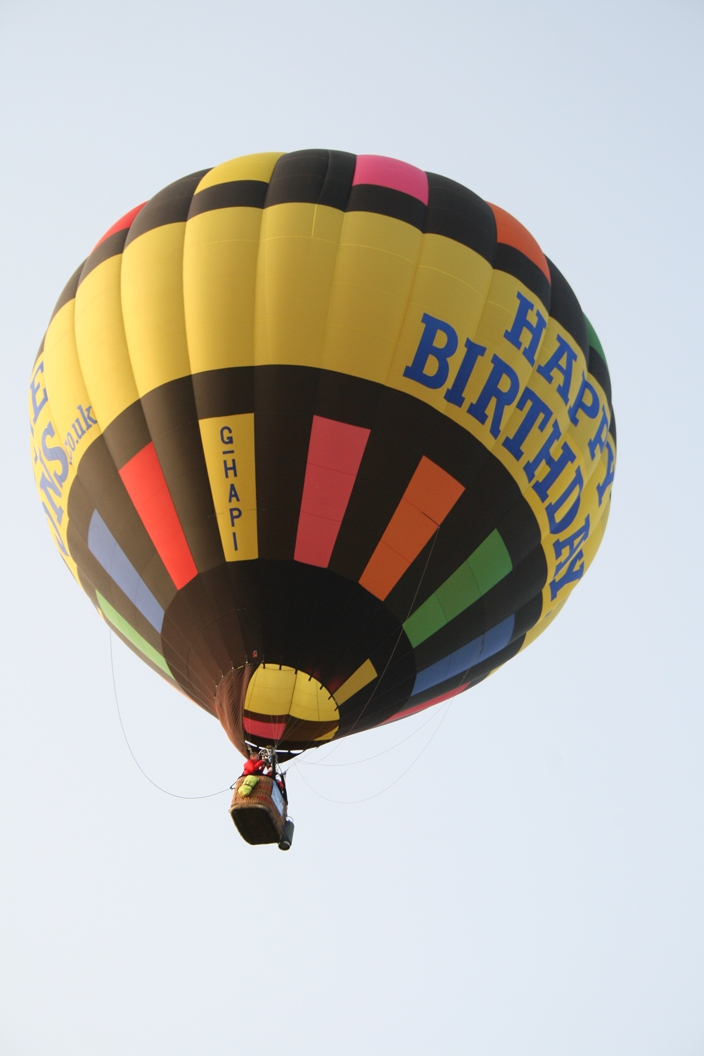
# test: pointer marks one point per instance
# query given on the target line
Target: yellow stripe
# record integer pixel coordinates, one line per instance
(219, 275)
(152, 307)
(228, 445)
(102, 345)
(361, 678)
(248, 167)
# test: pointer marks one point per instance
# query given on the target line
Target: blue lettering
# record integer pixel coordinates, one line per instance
(427, 349)
(50, 488)
(455, 394)
(34, 388)
(234, 540)
(229, 467)
(598, 441)
(552, 509)
(492, 391)
(562, 352)
(233, 496)
(521, 323)
(571, 544)
(537, 410)
(235, 513)
(54, 454)
(554, 464)
(609, 476)
(589, 407)
(226, 437)
(575, 571)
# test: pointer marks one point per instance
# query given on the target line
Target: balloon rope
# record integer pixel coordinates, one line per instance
(358, 762)
(129, 746)
(353, 802)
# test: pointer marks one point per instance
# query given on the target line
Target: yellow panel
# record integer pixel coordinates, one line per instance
(283, 691)
(228, 445)
(152, 306)
(295, 271)
(374, 278)
(249, 167)
(102, 345)
(312, 701)
(62, 424)
(270, 690)
(361, 678)
(219, 275)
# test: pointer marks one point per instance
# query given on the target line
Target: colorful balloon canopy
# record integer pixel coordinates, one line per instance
(325, 438)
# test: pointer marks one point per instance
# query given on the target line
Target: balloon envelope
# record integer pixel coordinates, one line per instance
(325, 438)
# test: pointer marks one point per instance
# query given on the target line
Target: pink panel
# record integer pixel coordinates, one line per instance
(428, 704)
(334, 454)
(388, 172)
(272, 731)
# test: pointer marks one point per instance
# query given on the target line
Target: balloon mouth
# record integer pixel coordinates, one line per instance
(283, 703)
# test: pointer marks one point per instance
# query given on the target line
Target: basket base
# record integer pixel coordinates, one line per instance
(255, 824)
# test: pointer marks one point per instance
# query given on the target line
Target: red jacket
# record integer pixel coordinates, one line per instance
(253, 766)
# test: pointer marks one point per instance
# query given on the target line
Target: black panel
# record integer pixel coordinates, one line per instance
(69, 291)
(127, 434)
(323, 177)
(109, 247)
(458, 213)
(369, 198)
(249, 193)
(170, 413)
(596, 365)
(565, 309)
(515, 263)
(169, 206)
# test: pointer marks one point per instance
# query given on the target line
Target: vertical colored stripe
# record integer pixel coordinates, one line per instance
(511, 232)
(364, 674)
(388, 172)
(228, 446)
(426, 503)
(120, 624)
(468, 656)
(484, 568)
(146, 486)
(334, 454)
(104, 547)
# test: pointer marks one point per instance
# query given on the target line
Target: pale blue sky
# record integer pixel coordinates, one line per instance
(555, 908)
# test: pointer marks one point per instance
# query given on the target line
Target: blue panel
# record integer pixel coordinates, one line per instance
(463, 659)
(104, 547)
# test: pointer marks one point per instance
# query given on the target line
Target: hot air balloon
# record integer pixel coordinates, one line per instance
(325, 438)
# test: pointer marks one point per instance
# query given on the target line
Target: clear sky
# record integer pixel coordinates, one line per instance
(554, 905)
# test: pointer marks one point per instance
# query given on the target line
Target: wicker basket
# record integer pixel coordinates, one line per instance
(260, 816)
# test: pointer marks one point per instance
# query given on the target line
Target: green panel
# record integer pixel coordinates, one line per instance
(121, 624)
(482, 570)
(425, 621)
(593, 339)
(459, 591)
(490, 562)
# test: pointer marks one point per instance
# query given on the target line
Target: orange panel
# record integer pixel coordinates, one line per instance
(428, 499)
(512, 233)
(383, 572)
(408, 530)
(433, 491)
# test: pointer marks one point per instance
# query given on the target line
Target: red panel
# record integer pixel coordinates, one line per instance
(271, 731)
(121, 224)
(334, 454)
(146, 486)
(428, 704)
